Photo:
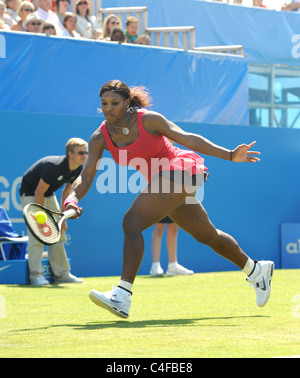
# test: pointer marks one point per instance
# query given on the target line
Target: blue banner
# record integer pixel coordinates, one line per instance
(63, 76)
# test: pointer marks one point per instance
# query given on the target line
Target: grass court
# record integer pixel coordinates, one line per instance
(201, 316)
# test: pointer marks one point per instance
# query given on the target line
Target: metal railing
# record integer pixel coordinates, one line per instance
(230, 49)
(175, 31)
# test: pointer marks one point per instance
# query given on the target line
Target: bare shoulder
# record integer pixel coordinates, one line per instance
(97, 141)
(153, 122)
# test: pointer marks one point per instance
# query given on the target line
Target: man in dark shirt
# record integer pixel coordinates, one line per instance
(38, 185)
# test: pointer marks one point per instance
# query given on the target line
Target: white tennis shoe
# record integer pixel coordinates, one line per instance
(178, 270)
(117, 301)
(260, 280)
(156, 270)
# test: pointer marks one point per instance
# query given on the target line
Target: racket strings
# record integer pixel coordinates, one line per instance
(47, 232)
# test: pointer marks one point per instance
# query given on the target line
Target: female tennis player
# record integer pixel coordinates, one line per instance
(142, 136)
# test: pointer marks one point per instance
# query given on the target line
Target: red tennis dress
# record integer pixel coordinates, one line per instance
(151, 154)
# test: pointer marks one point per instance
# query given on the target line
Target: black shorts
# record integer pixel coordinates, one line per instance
(166, 220)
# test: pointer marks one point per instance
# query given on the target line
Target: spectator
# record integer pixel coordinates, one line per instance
(131, 32)
(118, 35)
(12, 9)
(48, 28)
(24, 10)
(258, 3)
(293, 5)
(62, 7)
(4, 26)
(33, 23)
(45, 13)
(174, 269)
(109, 24)
(39, 184)
(238, 2)
(87, 25)
(70, 26)
(5, 20)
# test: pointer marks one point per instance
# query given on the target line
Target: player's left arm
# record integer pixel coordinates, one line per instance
(156, 124)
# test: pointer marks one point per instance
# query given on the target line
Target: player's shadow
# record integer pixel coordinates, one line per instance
(160, 323)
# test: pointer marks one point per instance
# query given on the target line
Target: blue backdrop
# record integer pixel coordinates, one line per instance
(249, 201)
(63, 76)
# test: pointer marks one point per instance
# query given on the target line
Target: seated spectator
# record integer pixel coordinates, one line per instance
(131, 32)
(87, 25)
(109, 24)
(62, 7)
(12, 9)
(46, 14)
(6, 21)
(48, 28)
(238, 2)
(70, 26)
(118, 35)
(4, 26)
(24, 10)
(33, 23)
(293, 5)
(258, 3)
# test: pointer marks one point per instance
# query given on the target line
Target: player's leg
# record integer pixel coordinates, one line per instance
(194, 220)
(147, 209)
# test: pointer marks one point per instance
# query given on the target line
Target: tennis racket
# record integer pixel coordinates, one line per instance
(49, 232)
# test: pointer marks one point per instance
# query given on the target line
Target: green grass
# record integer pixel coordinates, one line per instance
(204, 315)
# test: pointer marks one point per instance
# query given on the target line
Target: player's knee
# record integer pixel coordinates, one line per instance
(130, 224)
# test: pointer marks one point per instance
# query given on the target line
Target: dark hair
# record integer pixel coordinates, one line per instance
(139, 96)
(118, 35)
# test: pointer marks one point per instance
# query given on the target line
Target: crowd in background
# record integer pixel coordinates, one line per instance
(44, 16)
(53, 17)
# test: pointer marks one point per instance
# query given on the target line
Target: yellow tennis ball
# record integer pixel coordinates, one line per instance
(40, 217)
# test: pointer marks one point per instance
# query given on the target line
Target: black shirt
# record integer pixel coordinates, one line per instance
(54, 170)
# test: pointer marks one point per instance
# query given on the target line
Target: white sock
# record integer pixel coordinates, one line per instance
(173, 264)
(249, 266)
(125, 285)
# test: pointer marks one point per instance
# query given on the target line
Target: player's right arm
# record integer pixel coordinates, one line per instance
(84, 181)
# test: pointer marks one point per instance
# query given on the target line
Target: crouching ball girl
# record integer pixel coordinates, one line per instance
(142, 135)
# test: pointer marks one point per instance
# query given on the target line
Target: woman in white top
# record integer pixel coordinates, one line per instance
(70, 26)
(87, 25)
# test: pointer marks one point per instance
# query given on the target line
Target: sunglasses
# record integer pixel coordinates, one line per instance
(27, 10)
(81, 153)
(49, 27)
(82, 3)
(36, 23)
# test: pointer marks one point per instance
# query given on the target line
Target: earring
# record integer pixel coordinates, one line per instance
(130, 109)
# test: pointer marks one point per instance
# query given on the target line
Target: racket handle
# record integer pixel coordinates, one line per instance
(69, 213)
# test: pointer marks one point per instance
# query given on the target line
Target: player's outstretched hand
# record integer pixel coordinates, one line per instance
(242, 154)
